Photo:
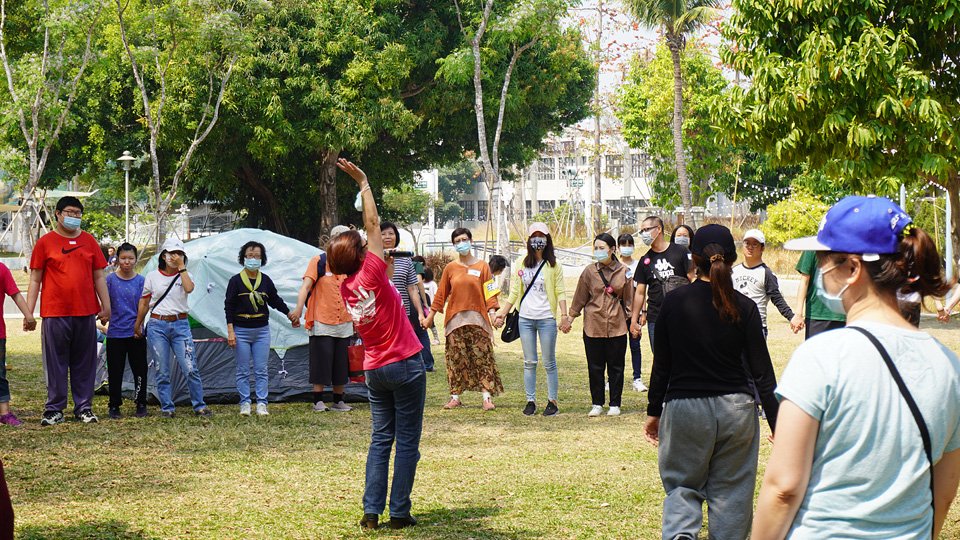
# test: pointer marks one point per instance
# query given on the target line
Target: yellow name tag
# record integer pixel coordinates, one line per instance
(490, 289)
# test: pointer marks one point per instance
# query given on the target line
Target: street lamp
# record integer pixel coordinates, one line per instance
(126, 160)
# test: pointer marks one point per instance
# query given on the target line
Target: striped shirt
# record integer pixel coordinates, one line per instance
(404, 275)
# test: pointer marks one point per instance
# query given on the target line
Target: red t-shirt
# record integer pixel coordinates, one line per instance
(67, 288)
(379, 315)
(8, 287)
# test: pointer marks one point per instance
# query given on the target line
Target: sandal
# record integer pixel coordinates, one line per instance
(488, 405)
(453, 404)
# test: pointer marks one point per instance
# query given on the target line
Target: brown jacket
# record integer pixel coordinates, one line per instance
(603, 315)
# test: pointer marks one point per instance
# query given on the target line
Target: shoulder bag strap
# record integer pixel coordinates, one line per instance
(607, 284)
(918, 418)
(539, 268)
(164, 295)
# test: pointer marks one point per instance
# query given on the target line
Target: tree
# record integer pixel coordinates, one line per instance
(175, 38)
(676, 20)
(406, 206)
(43, 75)
(455, 181)
(868, 92)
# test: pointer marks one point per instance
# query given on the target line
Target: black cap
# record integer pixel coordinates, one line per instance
(713, 234)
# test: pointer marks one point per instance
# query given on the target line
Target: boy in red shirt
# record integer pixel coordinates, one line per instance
(67, 265)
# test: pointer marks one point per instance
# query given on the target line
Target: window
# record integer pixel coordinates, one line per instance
(615, 166)
(547, 169)
(545, 206)
(566, 146)
(482, 211)
(467, 210)
(638, 165)
(529, 209)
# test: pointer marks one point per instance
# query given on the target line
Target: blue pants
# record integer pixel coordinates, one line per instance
(164, 337)
(424, 338)
(252, 344)
(635, 356)
(397, 394)
(547, 330)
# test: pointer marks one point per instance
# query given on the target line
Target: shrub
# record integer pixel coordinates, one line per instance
(797, 216)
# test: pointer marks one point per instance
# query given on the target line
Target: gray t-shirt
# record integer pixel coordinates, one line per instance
(760, 285)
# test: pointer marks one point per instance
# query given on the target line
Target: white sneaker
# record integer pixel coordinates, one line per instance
(596, 410)
(614, 411)
(262, 409)
(244, 409)
(319, 406)
(340, 406)
(638, 386)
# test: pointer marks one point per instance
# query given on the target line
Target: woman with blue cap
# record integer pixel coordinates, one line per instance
(868, 436)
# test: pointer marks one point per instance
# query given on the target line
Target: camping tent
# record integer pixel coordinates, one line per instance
(212, 261)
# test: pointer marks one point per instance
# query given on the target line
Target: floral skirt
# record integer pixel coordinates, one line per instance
(470, 362)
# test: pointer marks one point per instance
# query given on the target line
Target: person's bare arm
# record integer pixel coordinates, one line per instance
(305, 289)
(796, 324)
(946, 475)
(33, 289)
(638, 315)
(100, 284)
(371, 220)
(788, 473)
(29, 322)
(141, 315)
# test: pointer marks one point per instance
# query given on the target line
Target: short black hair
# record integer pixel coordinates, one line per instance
(384, 225)
(427, 274)
(656, 219)
(458, 231)
(497, 263)
(252, 244)
(69, 200)
(127, 246)
(625, 240)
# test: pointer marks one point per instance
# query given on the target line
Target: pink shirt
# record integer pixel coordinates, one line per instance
(379, 315)
(8, 287)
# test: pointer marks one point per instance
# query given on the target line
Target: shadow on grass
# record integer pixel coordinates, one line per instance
(448, 523)
(89, 530)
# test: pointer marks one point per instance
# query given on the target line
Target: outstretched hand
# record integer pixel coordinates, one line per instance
(354, 171)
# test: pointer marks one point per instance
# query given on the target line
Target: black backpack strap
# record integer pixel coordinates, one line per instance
(321, 271)
(917, 417)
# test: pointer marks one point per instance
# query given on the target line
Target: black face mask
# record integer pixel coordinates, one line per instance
(538, 244)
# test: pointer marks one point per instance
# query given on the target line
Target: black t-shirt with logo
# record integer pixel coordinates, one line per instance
(654, 268)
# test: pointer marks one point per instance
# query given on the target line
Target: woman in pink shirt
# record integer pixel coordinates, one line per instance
(396, 378)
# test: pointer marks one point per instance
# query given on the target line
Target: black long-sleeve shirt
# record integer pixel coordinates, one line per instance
(238, 309)
(698, 354)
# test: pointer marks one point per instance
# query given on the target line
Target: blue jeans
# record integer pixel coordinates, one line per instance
(424, 338)
(547, 329)
(164, 337)
(650, 335)
(635, 355)
(252, 343)
(397, 394)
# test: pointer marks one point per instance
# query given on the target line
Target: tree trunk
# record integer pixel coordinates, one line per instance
(248, 176)
(329, 213)
(953, 191)
(678, 131)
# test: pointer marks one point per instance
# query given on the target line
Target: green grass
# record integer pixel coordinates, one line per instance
(298, 474)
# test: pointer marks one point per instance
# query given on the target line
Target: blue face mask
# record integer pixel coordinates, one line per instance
(601, 255)
(626, 251)
(833, 302)
(71, 223)
(251, 264)
(463, 247)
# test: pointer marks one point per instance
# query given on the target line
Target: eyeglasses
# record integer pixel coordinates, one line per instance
(648, 229)
(72, 213)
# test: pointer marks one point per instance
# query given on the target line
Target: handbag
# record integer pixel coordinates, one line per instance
(911, 404)
(355, 354)
(511, 327)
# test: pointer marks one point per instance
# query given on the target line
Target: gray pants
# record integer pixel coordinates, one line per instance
(708, 452)
(69, 345)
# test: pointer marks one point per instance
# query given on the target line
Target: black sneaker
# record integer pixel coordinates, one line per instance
(115, 413)
(370, 521)
(87, 417)
(204, 412)
(403, 522)
(51, 418)
(141, 411)
(166, 414)
(530, 409)
(551, 409)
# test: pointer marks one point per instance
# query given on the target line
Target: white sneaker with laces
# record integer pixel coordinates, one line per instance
(596, 410)
(614, 411)
(262, 409)
(638, 386)
(244, 409)
(340, 406)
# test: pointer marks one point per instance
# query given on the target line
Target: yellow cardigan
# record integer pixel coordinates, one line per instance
(552, 281)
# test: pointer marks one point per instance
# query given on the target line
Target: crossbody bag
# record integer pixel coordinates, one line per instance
(511, 328)
(609, 290)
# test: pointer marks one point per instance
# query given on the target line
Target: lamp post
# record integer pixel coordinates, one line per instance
(126, 160)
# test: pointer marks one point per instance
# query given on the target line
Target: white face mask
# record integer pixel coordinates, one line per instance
(646, 238)
(682, 241)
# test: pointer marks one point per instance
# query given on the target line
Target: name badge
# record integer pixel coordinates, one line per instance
(473, 272)
(73, 242)
(329, 273)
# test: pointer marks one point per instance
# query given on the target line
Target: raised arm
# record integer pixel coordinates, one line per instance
(371, 220)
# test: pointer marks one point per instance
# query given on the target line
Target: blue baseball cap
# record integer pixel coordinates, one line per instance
(869, 225)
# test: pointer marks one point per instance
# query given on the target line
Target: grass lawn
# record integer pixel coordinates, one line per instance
(298, 474)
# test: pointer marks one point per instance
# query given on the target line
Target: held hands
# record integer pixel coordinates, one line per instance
(29, 325)
(354, 171)
(138, 332)
(498, 320)
(796, 323)
(232, 340)
(943, 315)
(566, 322)
(428, 322)
(651, 430)
(294, 319)
(636, 329)
(423, 321)
(104, 316)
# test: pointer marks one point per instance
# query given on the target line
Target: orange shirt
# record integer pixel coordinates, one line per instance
(465, 288)
(325, 304)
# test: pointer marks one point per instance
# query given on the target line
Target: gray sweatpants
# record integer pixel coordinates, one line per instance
(69, 344)
(708, 452)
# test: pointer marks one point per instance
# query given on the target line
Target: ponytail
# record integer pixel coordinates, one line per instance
(915, 267)
(715, 264)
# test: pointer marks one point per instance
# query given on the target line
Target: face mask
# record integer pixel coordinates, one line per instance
(626, 251)
(463, 247)
(71, 223)
(833, 302)
(601, 255)
(537, 244)
(251, 264)
(646, 238)
(681, 241)
(358, 204)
